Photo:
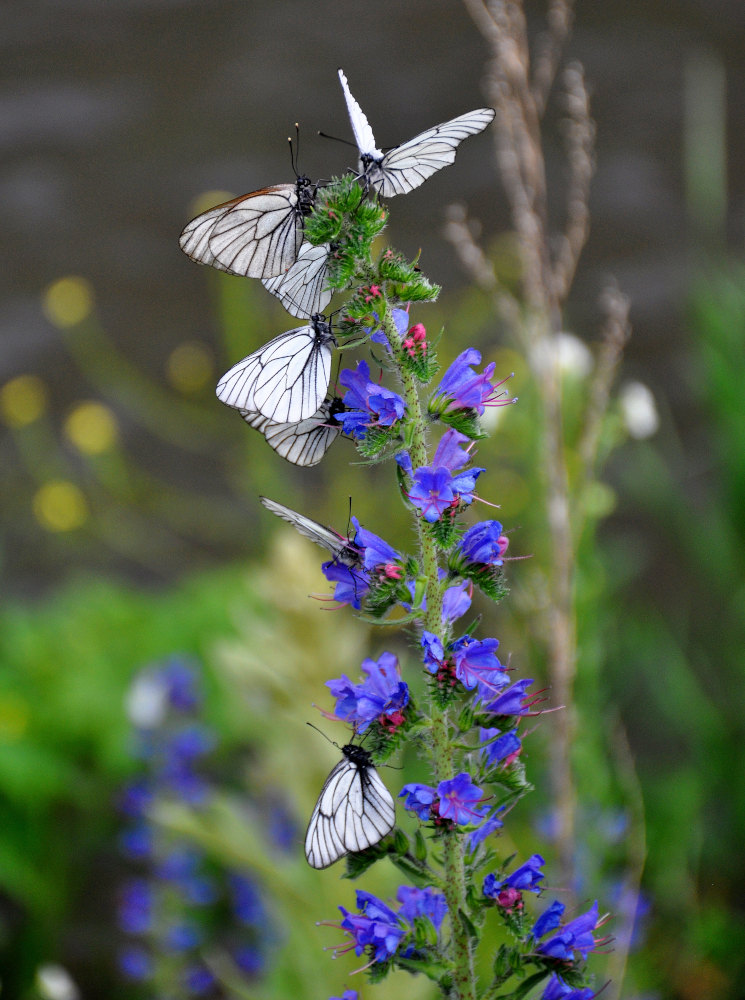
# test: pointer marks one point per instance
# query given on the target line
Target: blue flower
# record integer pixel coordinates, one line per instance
(548, 920)
(377, 552)
(432, 492)
(461, 388)
(382, 694)
(136, 907)
(198, 980)
(419, 799)
(490, 824)
(510, 702)
(367, 403)
(376, 927)
(496, 745)
(347, 995)
(182, 682)
(477, 665)
(434, 654)
(484, 544)
(458, 797)
(247, 904)
(136, 962)
(456, 601)
(574, 936)
(526, 878)
(557, 989)
(440, 485)
(421, 903)
(182, 936)
(351, 584)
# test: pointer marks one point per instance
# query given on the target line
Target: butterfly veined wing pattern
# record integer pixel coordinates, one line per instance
(258, 235)
(302, 288)
(353, 812)
(405, 167)
(343, 551)
(304, 443)
(287, 379)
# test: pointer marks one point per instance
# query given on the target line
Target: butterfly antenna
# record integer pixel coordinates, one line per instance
(293, 154)
(335, 138)
(333, 744)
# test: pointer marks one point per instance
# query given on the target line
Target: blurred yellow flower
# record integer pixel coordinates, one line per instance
(68, 301)
(14, 717)
(189, 367)
(22, 400)
(92, 428)
(60, 505)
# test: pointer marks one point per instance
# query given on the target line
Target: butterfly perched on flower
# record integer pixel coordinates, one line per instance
(287, 379)
(345, 552)
(405, 167)
(258, 235)
(353, 812)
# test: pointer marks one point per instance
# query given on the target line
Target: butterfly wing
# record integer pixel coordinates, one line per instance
(354, 811)
(303, 444)
(363, 134)
(285, 380)
(257, 236)
(317, 533)
(302, 289)
(407, 166)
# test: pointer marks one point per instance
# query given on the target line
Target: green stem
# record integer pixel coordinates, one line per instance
(442, 745)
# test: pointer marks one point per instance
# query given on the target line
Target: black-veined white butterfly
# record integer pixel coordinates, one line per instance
(405, 167)
(302, 288)
(287, 379)
(343, 551)
(305, 443)
(354, 810)
(257, 235)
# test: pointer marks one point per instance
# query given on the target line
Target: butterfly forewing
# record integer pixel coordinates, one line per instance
(302, 288)
(363, 134)
(305, 443)
(195, 238)
(354, 810)
(344, 551)
(285, 380)
(261, 235)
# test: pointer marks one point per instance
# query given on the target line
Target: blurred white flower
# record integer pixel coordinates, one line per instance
(639, 410)
(55, 983)
(571, 354)
(147, 700)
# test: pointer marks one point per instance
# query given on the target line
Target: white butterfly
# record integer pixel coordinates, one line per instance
(257, 235)
(305, 443)
(302, 288)
(354, 810)
(405, 167)
(343, 551)
(287, 379)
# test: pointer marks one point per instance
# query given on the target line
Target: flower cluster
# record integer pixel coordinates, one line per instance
(467, 727)
(178, 904)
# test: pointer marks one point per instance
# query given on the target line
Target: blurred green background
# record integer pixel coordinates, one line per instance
(131, 531)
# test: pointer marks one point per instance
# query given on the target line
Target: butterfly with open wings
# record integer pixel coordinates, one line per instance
(405, 167)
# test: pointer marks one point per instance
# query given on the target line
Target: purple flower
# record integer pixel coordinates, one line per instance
(476, 664)
(458, 797)
(510, 702)
(461, 388)
(137, 842)
(450, 453)
(367, 403)
(136, 798)
(351, 584)
(549, 919)
(526, 878)
(377, 552)
(198, 980)
(382, 694)
(376, 927)
(432, 492)
(247, 904)
(249, 960)
(421, 903)
(401, 321)
(136, 962)
(182, 681)
(490, 824)
(347, 995)
(136, 906)
(456, 601)
(484, 544)
(557, 989)
(419, 799)
(182, 937)
(574, 936)
(434, 654)
(496, 746)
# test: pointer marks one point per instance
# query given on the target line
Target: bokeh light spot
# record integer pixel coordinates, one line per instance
(189, 367)
(68, 301)
(59, 505)
(23, 400)
(92, 427)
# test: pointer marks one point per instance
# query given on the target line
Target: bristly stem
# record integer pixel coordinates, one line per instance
(442, 746)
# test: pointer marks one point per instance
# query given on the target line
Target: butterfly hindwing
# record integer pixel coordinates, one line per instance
(353, 812)
(304, 443)
(302, 288)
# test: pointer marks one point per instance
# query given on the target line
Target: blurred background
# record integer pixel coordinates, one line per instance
(155, 626)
